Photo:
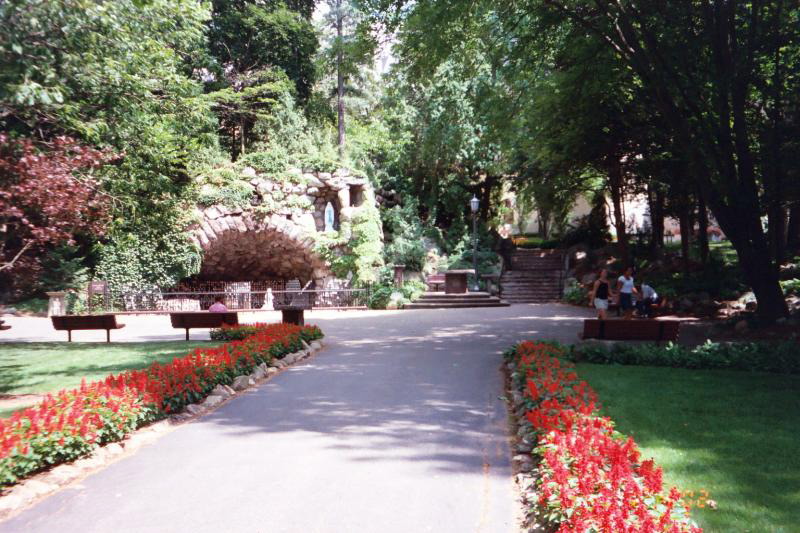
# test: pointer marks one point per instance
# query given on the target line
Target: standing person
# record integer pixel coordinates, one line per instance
(506, 247)
(626, 288)
(648, 299)
(600, 293)
(218, 306)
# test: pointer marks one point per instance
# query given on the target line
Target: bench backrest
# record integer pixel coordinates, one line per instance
(633, 330)
(68, 322)
(203, 319)
(435, 278)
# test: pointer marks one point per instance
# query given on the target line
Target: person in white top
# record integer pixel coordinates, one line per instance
(626, 288)
(648, 299)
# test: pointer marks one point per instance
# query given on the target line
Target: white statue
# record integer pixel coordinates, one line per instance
(329, 217)
(268, 300)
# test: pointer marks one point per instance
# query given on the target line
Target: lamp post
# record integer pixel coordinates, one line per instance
(474, 204)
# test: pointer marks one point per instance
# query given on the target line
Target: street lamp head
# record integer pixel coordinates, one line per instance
(474, 204)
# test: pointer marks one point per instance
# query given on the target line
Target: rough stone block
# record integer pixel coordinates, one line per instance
(194, 409)
(221, 391)
(213, 401)
(242, 382)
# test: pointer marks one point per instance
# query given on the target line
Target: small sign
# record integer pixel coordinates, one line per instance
(96, 287)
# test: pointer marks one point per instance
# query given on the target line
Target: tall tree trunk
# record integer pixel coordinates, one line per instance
(656, 201)
(702, 225)
(793, 228)
(544, 224)
(340, 77)
(686, 231)
(615, 187)
(776, 227)
(241, 136)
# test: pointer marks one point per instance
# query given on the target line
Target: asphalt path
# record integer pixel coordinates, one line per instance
(397, 425)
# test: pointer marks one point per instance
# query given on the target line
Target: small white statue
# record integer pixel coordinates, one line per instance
(329, 217)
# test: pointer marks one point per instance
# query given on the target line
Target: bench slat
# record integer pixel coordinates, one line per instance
(70, 323)
(202, 319)
(634, 330)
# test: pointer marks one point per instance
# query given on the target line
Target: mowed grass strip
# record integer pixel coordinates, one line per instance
(38, 368)
(733, 436)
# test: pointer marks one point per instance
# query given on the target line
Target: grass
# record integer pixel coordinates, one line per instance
(731, 434)
(35, 368)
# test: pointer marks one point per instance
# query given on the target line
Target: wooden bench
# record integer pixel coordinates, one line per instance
(435, 282)
(202, 319)
(644, 329)
(69, 323)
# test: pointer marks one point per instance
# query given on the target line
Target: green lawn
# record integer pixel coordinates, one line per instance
(30, 368)
(735, 435)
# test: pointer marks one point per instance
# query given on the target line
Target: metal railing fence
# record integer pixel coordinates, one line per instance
(153, 300)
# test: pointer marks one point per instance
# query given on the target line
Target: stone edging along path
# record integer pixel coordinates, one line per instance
(34, 489)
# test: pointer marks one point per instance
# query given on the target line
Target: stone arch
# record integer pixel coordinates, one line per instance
(245, 246)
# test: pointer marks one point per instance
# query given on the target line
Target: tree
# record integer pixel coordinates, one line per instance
(48, 197)
(117, 76)
(719, 78)
(699, 64)
(349, 49)
(248, 36)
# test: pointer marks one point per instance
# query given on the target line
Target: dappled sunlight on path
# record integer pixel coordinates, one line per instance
(396, 426)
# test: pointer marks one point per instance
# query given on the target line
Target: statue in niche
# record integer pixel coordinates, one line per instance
(329, 217)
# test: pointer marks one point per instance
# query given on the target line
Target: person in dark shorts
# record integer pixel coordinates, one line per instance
(599, 296)
(627, 289)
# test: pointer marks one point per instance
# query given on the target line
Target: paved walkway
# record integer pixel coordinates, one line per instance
(395, 426)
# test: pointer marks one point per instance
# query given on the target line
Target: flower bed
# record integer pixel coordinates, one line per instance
(589, 477)
(71, 423)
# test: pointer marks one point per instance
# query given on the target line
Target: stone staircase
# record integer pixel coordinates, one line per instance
(536, 276)
(441, 300)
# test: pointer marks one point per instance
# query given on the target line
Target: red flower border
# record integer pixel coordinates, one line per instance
(590, 477)
(71, 423)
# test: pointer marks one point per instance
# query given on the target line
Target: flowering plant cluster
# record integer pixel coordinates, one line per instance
(590, 477)
(71, 423)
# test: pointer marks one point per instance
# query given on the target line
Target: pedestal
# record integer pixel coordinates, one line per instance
(398, 275)
(455, 281)
(293, 316)
(57, 303)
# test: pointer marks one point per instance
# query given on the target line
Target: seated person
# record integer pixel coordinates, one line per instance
(648, 299)
(218, 306)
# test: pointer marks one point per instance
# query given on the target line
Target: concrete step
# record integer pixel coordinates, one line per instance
(461, 305)
(441, 300)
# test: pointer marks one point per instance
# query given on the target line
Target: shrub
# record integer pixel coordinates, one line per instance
(575, 294)
(234, 194)
(71, 423)
(273, 161)
(791, 287)
(589, 476)
(779, 357)
(380, 297)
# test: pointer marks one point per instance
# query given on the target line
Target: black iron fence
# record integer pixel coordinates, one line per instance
(143, 300)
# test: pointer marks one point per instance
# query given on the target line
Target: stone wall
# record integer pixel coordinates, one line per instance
(274, 237)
